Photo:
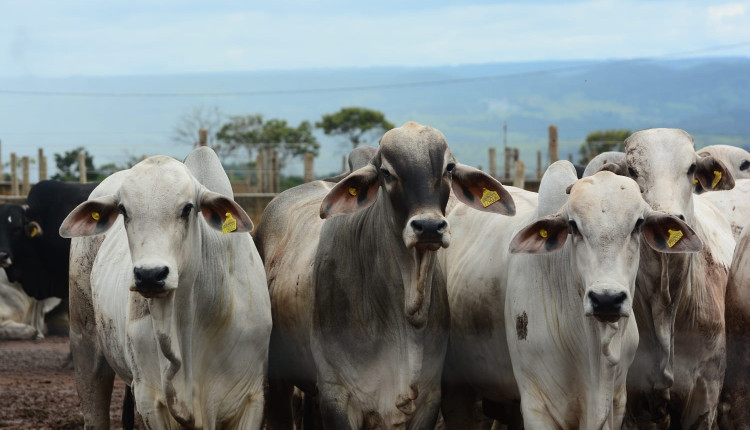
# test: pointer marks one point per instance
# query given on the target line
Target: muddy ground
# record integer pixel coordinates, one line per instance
(38, 392)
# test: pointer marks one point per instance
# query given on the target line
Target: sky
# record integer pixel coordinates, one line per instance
(141, 37)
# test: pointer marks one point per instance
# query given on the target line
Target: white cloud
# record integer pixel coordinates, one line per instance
(722, 12)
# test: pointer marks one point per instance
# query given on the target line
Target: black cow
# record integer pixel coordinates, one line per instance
(31, 250)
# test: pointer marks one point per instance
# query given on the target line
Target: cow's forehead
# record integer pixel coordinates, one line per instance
(664, 147)
(605, 196)
(412, 142)
(159, 178)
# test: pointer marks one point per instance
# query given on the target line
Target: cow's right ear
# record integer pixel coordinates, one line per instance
(90, 218)
(620, 168)
(355, 192)
(669, 234)
(32, 229)
(713, 175)
(544, 235)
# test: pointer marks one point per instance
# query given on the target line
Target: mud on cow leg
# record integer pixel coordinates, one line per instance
(94, 380)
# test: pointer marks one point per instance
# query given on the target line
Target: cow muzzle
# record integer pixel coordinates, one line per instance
(607, 304)
(151, 282)
(5, 260)
(427, 233)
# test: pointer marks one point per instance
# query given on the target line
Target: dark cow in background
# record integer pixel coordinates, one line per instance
(31, 251)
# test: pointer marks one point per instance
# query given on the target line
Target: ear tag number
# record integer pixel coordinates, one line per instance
(543, 233)
(95, 216)
(230, 224)
(353, 191)
(674, 237)
(717, 179)
(489, 197)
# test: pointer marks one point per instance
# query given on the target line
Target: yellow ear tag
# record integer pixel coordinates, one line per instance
(674, 237)
(353, 191)
(34, 231)
(230, 224)
(695, 181)
(543, 232)
(489, 197)
(717, 179)
(95, 215)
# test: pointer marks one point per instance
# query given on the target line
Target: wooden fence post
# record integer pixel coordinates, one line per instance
(42, 165)
(538, 165)
(82, 167)
(202, 136)
(553, 154)
(493, 164)
(13, 175)
(520, 180)
(507, 174)
(259, 170)
(309, 163)
(276, 179)
(25, 185)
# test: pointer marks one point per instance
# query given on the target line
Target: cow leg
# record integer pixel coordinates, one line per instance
(279, 404)
(535, 415)
(701, 409)
(426, 416)
(252, 416)
(94, 380)
(334, 402)
(460, 407)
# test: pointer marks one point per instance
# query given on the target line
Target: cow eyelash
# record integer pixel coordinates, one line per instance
(638, 225)
(573, 227)
(186, 211)
(632, 173)
(745, 164)
(122, 210)
(386, 173)
(691, 170)
(449, 168)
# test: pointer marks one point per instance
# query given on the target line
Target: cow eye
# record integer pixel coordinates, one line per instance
(573, 227)
(449, 168)
(186, 211)
(632, 173)
(745, 164)
(638, 225)
(691, 170)
(386, 173)
(122, 210)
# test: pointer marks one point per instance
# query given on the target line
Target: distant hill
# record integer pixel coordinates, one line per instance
(709, 97)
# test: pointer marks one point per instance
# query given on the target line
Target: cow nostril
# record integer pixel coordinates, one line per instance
(153, 277)
(442, 225)
(606, 302)
(417, 226)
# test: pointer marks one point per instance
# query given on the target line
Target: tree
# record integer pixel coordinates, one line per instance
(186, 130)
(602, 141)
(67, 166)
(252, 133)
(355, 123)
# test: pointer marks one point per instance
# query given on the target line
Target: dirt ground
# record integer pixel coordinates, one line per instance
(38, 392)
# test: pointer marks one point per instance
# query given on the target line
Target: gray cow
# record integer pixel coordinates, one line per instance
(368, 283)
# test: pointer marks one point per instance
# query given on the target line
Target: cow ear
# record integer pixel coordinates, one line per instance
(224, 214)
(713, 175)
(620, 168)
(32, 229)
(355, 192)
(481, 191)
(544, 235)
(90, 218)
(669, 234)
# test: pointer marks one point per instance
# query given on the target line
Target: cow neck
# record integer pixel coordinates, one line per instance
(173, 321)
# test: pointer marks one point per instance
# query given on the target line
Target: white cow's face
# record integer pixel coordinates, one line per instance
(605, 217)
(666, 166)
(159, 201)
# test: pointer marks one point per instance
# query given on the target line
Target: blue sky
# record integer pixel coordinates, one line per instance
(73, 38)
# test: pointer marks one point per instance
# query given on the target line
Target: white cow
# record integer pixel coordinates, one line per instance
(679, 367)
(735, 395)
(178, 309)
(563, 319)
(734, 204)
(737, 160)
(21, 316)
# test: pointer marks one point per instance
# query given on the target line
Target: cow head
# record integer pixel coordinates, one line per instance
(664, 163)
(160, 202)
(16, 227)
(415, 170)
(605, 218)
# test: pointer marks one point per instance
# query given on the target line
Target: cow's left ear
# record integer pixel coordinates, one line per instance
(713, 175)
(355, 192)
(544, 235)
(481, 191)
(90, 218)
(669, 234)
(33, 229)
(224, 214)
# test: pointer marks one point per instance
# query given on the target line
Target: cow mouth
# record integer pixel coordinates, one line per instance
(607, 317)
(150, 292)
(429, 245)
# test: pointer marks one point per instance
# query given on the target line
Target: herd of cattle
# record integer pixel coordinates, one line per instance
(411, 290)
